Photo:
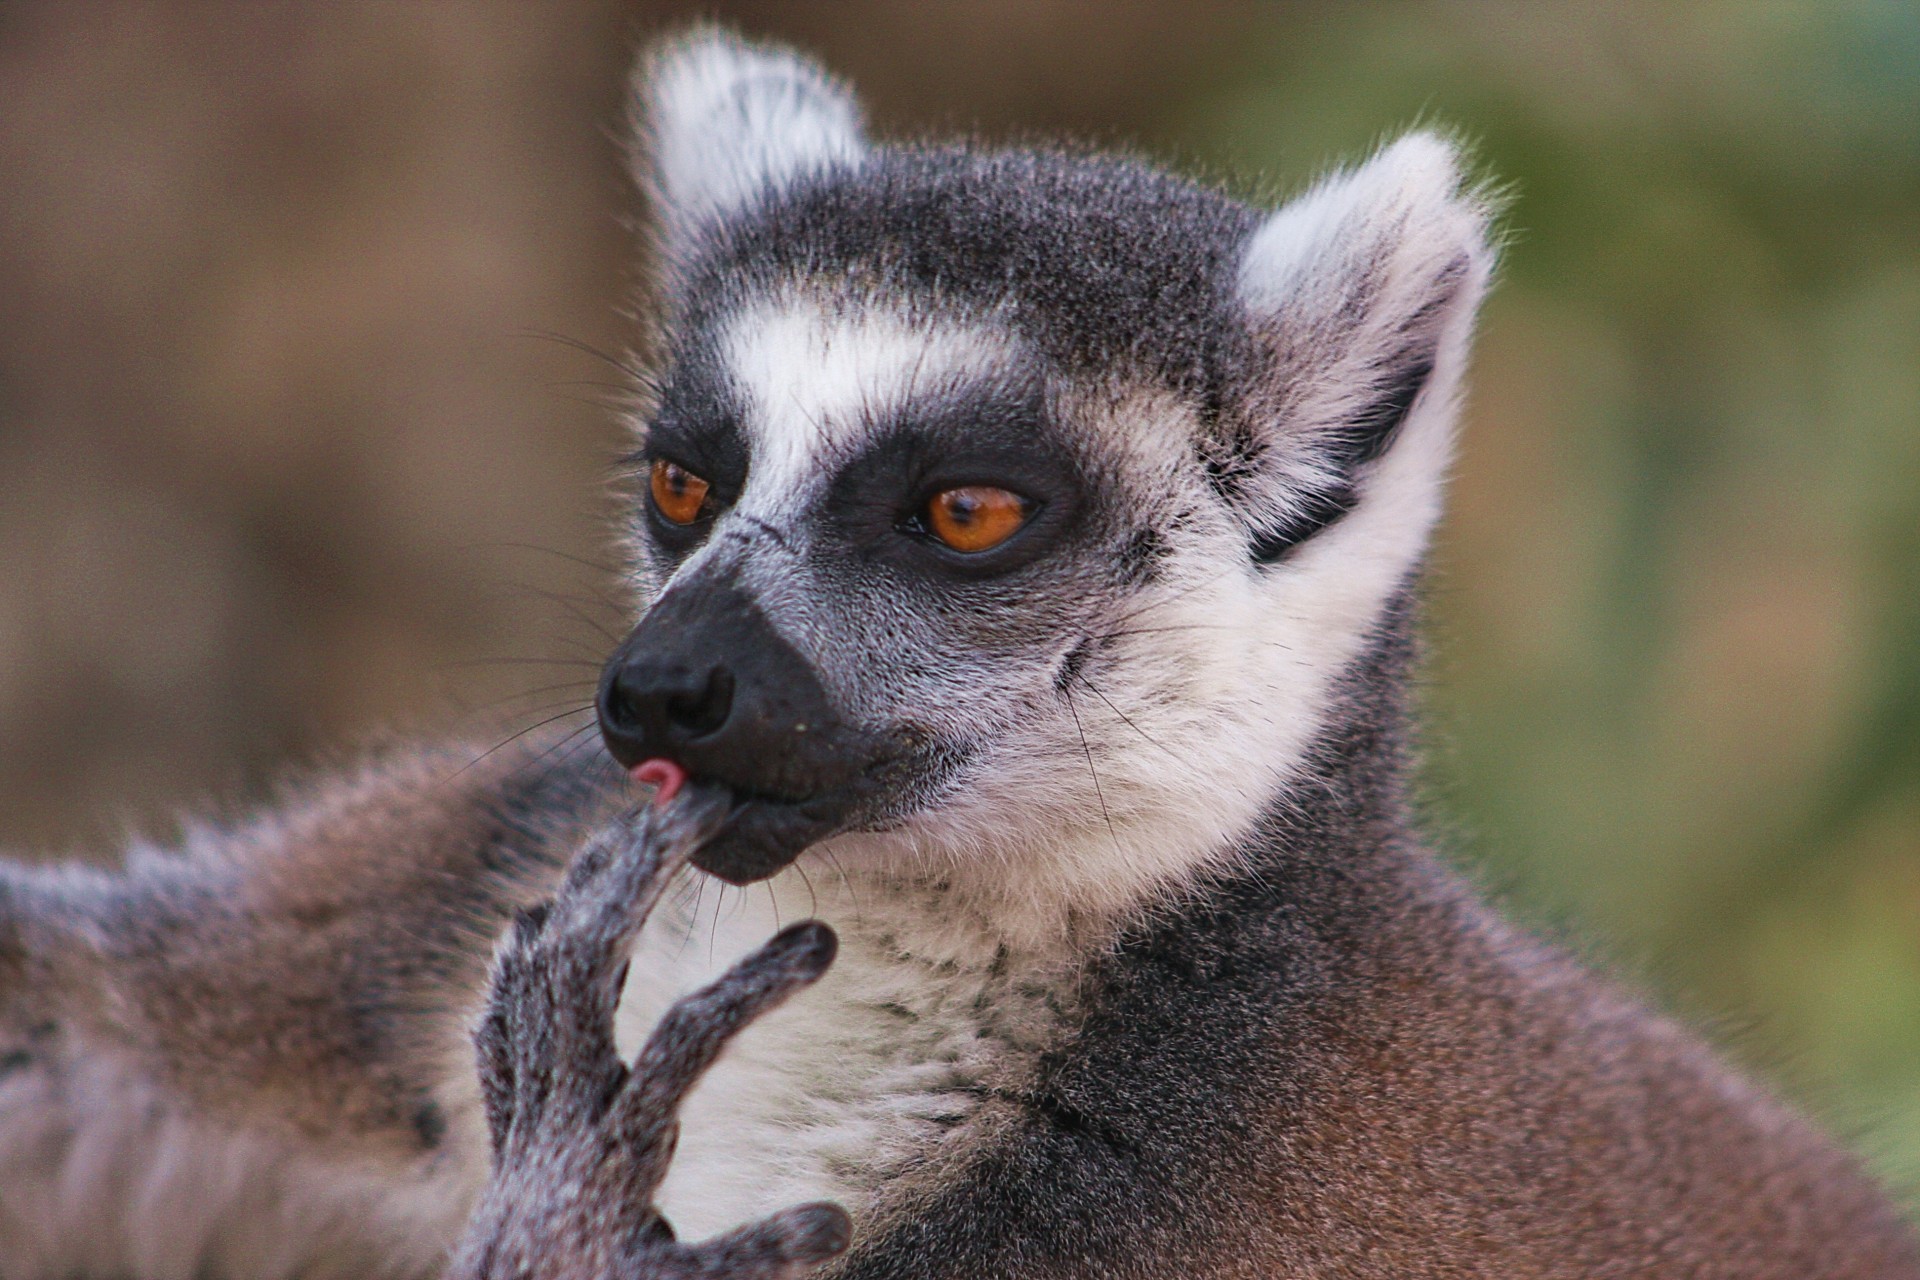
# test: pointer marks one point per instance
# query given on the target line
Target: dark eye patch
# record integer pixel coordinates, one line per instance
(697, 426)
(987, 433)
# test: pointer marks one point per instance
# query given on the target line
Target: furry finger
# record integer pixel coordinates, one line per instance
(613, 883)
(693, 1032)
(512, 1081)
(782, 1246)
(493, 1050)
(581, 957)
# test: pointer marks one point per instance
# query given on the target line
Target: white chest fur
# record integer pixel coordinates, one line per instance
(858, 1076)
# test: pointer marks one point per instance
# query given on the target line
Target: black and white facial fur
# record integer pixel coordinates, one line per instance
(1232, 430)
(1144, 969)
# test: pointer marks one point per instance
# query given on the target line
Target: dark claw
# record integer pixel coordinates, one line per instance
(581, 1141)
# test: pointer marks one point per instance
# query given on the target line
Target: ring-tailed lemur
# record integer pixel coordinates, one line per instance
(1032, 542)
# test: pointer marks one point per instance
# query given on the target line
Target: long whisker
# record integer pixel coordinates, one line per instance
(555, 552)
(1093, 773)
(563, 687)
(551, 759)
(573, 608)
(585, 599)
(713, 932)
(605, 403)
(551, 706)
(588, 654)
(1173, 628)
(813, 898)
(634, 371)
(846, 883)
(1189, 589)
(521, 662)
(592, 382)
(1092, 688)
(512, 738)
(584, 739)
(693, 917)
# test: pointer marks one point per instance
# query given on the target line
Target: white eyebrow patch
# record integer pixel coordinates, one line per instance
(815, 383)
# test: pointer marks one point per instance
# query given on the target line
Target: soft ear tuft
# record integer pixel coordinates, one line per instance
(721, 123)
(1391, 225)
(1361, 294)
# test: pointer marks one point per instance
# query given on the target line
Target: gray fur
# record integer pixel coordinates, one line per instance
(1145, 968)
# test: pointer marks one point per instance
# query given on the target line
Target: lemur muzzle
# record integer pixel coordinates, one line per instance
(706, 682)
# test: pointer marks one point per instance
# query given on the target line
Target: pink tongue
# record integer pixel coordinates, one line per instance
(664, 776)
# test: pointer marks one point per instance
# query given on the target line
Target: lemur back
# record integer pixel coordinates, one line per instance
(1030, 546)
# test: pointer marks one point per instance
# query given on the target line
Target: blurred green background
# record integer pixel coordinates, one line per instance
(275, 443)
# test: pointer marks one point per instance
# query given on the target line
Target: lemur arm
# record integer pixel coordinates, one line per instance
(251, 1056)
(581, 1141)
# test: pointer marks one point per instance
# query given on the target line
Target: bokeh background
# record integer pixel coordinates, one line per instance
(296, 442)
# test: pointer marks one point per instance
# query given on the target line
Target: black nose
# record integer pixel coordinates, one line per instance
(664, 702)
(706, 681)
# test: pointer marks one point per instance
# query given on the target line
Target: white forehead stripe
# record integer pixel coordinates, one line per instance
(815, 383)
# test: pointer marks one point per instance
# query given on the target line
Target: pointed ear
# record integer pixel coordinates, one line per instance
(1360, 295)
(720, 123)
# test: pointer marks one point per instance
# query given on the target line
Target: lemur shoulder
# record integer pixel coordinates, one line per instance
(1029, 546)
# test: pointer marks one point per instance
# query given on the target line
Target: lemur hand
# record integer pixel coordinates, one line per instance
(580, 1140)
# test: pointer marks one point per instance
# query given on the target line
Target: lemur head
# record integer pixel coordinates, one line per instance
(1008, 515)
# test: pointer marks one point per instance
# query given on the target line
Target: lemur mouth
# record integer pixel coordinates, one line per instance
(766, 831)
(763, 835)
(763, 832)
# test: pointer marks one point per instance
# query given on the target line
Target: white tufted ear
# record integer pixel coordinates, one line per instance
(721, 122)
(1362, 291)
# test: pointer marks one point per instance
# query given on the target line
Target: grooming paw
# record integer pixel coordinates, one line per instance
(581, 1141)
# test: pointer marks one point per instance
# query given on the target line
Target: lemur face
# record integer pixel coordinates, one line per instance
(894, 539)
(1015, 511)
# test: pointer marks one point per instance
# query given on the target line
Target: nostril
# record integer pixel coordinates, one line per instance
(619, 707)
(651, 706)
(703, 712)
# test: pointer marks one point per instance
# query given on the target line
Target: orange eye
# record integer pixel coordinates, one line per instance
(679, 494)
(977, 517)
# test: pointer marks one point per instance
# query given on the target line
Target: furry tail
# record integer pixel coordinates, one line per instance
(25, 939)
(13, 946)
